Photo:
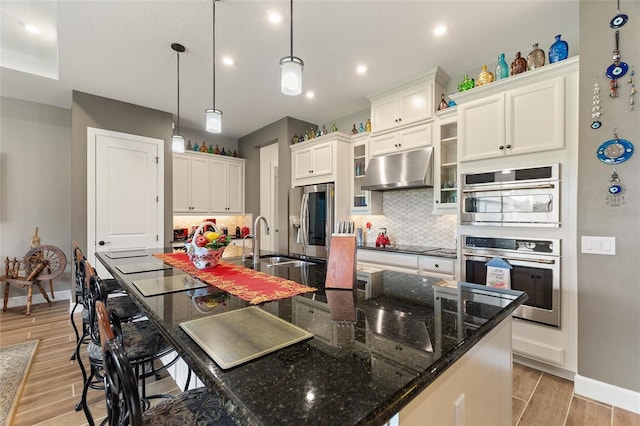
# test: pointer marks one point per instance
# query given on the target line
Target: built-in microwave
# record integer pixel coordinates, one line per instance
(512, 197)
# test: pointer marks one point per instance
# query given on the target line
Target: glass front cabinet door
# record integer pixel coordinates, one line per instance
(362, 202)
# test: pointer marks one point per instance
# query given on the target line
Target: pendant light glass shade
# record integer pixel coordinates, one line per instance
(177, 144)
(291, 75)
(214, 120)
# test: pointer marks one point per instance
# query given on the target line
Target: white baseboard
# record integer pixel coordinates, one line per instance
(39, 298)
(609, 394)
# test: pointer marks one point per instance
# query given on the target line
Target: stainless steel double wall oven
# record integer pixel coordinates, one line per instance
(526, 199)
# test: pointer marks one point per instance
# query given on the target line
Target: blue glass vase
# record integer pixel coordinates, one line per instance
(502, 70)
(558, 51)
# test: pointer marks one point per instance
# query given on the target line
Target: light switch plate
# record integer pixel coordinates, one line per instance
(599, 245)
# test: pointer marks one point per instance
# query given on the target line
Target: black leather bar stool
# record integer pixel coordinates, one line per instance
(194, 407)
(141, 341)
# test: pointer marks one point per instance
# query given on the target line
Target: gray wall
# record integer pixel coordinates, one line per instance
(35, 180)
(279, 132)
(95, 111)
(609, 287)
(210, 139)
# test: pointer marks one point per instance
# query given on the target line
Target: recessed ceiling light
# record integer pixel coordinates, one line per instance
(361, 69)
(30, 28)
(440, 30)
(275, 17)
(227, 60)
(310, 95)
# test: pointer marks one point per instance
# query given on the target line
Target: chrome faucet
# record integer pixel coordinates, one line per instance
(256, 238)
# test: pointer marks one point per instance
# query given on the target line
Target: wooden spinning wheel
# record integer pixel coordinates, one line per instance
(41, 263)
(49, 259)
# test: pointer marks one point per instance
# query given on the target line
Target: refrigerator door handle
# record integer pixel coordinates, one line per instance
(304, 221)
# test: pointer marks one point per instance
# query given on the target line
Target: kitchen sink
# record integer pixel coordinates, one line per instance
(290, 262)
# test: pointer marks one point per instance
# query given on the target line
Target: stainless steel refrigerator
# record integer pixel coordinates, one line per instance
(311, 212)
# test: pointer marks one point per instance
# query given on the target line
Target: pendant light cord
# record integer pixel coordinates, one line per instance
(178, 62)
(291, 20)
(214, 54)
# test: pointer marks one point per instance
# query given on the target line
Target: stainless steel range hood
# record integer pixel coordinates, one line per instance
(409, 169)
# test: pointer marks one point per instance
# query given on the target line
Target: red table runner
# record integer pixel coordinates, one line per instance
(245, 283)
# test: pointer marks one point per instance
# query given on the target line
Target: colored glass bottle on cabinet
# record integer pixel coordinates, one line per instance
(502, 70)
(558, 51)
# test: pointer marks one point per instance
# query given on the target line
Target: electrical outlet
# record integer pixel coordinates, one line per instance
(458, 413)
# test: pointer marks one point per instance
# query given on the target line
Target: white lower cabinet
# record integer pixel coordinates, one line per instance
(434, 266)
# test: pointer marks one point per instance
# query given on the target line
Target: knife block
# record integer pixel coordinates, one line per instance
(341, 267)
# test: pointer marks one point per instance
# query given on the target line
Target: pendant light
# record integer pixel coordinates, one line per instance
(291, 69)
(177, 141)
(214, 116)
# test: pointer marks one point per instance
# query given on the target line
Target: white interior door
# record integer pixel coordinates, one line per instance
(125, 196)
(269, 195)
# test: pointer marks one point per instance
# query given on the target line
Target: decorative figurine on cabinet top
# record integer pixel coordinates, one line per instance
(485, 77)
(217, 150)
(324, 130)
(196, 147)
(334, 128)
(361, 128)
(354, 130)
(203, 147)
(535, 59)
(502, 69)
(519, 65)
(466, 84)
(367, 126)
(210, 150)
(189, 146)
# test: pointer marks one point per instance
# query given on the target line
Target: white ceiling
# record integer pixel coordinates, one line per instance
(121, 50)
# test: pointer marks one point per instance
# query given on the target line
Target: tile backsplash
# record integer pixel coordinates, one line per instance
(407, 215)
(229, 221)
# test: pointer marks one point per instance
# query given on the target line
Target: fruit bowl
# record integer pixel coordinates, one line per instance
(206, 251)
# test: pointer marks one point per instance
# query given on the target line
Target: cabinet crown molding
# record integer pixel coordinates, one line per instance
(333, 136)
(436, 75)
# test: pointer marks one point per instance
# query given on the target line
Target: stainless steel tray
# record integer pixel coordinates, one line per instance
(235, 337)
(164, 285)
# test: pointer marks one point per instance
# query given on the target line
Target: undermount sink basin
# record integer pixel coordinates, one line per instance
(272, 261)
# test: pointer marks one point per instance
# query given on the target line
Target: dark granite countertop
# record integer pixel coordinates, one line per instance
(408, 330)
(419, 250)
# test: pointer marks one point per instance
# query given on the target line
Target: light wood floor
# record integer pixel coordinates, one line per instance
(54, 383)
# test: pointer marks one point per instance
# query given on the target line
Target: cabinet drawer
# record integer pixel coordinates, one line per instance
(410, 358)
(393, 261)
(436, 265)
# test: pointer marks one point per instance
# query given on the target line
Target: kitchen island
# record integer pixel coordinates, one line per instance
(400, 343)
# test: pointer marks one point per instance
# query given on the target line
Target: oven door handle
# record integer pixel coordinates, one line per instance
(545, 261)
(507, 187)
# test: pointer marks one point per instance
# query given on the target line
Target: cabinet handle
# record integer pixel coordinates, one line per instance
(436, 265)
(508, 146)
(400, 119)
(437, 201)
(501, 147)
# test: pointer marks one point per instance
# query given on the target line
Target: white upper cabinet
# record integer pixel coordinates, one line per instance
(205, 183)
(407, 103)
(417, 136)
(314, 161)
(190, 184)
(227, 186)
(402, 108)
(519, 115)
